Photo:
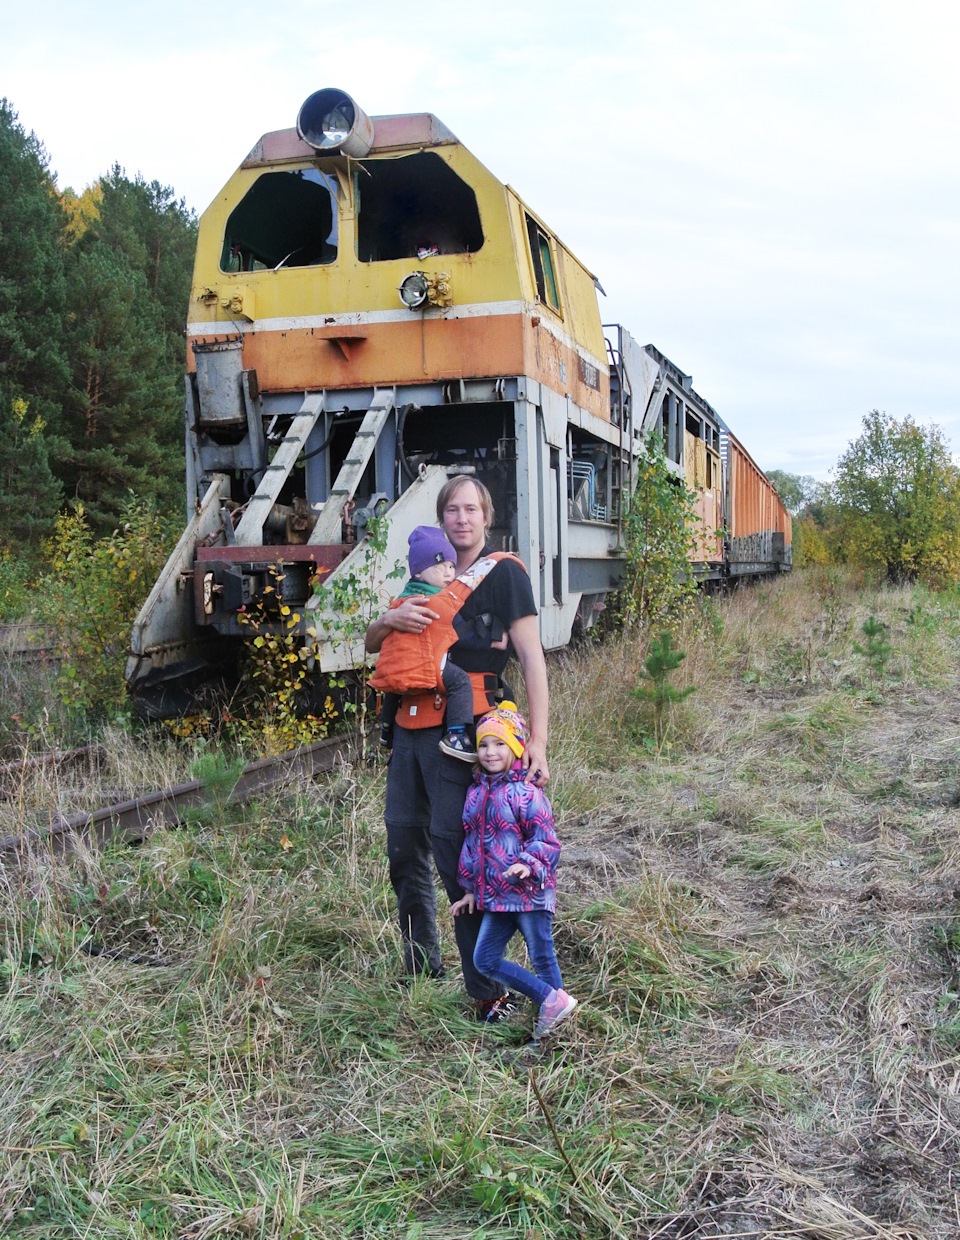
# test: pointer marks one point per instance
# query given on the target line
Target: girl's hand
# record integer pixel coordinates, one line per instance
(467, 904)
(518, 870)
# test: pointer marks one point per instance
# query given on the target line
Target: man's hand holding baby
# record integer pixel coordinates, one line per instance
(411, 616)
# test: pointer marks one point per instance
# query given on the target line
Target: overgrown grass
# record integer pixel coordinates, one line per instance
(760, 918)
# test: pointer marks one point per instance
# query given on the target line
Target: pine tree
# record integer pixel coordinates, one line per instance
(158, 235)
(94, 292)
(33, 365)
(121, 429)
(659, 665)
(878, 650)
(129, 279)
(29, 493)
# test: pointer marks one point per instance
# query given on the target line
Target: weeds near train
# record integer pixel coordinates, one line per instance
(88, 595)
(92, 592)
(279, 668)
(661, 532)
(351, 602)
(277, 672)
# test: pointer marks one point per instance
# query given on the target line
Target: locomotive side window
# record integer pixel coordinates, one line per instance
(412, 204)
(285, 219)
(543, 270)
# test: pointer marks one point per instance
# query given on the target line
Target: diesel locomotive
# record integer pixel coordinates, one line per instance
(373, 311)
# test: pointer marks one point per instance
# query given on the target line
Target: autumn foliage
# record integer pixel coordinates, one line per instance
(893, 506)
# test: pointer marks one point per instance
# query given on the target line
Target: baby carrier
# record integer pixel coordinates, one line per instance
(410, 663)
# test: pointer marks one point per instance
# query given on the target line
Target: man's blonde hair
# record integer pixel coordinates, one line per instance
(453, 485)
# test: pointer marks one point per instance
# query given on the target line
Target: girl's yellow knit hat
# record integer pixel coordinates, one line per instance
(507, 723)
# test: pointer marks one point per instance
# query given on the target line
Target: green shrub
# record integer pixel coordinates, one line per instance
(92, 593)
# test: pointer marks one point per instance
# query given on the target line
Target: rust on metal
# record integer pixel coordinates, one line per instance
(132, 820)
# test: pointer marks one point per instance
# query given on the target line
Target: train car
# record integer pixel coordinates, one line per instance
(758, 525)
(373, 311)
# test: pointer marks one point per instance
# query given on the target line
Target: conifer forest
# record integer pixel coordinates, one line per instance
(93, 289)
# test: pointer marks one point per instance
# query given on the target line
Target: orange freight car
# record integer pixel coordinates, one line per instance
(757, 524)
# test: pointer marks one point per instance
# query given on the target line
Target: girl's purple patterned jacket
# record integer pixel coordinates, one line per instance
(505, 821)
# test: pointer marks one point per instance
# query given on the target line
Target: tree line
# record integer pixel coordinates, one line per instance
(94, 290)
(892, 506)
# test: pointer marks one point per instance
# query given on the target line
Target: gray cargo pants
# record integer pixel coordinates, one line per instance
(426, 790)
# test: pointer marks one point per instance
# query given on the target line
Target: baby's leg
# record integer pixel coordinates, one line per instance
(459, 695)
(389, 705)
(459, 691)
(457, 741)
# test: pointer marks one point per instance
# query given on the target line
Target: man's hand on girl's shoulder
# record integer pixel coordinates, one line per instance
(534, 761)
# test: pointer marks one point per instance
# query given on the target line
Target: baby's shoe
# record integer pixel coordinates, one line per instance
(457, 744)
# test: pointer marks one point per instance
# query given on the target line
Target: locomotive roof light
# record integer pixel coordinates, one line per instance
(414, 290)
(333, 124)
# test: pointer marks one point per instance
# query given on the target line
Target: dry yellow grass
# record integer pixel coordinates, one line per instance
(762, 920)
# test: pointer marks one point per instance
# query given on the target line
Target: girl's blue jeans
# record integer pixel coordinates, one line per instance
(496, 931)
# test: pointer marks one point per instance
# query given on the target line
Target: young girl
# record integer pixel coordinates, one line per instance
(508, 868)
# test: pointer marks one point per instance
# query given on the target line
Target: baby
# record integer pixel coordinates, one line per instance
(433, 565)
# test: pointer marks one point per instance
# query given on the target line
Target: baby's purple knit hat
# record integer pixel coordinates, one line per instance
(429, 545)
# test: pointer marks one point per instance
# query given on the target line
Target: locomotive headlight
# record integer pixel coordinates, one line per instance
(414, 290)
(332, 124)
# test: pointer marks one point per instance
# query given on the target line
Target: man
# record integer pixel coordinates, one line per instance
(426, 789)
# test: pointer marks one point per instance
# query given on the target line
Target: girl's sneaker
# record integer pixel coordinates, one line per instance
(555, 1008)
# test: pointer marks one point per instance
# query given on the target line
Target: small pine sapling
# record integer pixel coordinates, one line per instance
(219, 776)
(659, 665)
(878, 650)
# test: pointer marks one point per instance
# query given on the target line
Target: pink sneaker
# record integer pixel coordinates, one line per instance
(555, 1008)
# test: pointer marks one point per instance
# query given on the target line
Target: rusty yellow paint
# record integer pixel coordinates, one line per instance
(708, 504)
(349, 285)
(505, 328)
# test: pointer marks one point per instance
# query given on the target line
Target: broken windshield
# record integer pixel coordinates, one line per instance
(414, 207)
(285, 219)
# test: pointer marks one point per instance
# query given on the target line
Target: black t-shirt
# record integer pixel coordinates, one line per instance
(504, 595)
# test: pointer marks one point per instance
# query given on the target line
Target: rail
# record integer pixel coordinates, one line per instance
(12, 773)
(31, 643)
(131, 820)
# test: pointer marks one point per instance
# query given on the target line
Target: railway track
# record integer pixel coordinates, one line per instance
(30, 643)
(131, 820)
(12, 773)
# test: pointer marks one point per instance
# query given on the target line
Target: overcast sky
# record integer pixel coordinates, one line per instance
(768, 191)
